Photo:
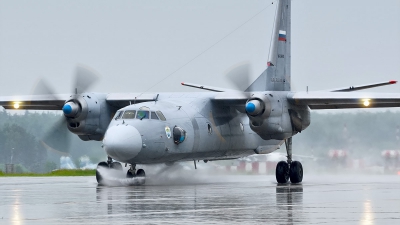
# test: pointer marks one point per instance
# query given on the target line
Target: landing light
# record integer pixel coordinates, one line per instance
(366, 102)
(16, 105)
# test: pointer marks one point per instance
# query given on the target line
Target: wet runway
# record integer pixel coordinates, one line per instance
(217, 199)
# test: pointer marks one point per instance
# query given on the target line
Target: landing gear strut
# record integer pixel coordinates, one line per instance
(289, 169)
(131, 172)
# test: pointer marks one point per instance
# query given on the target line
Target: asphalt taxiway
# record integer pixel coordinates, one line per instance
(202, 199)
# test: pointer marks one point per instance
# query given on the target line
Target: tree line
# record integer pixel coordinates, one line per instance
(22, 134)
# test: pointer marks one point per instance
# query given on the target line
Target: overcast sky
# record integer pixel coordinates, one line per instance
(134, 45)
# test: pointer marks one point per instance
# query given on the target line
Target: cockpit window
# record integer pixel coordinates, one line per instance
(129, 114)
(142, 115)
(118, 115)
(154, 116)
(160, 115)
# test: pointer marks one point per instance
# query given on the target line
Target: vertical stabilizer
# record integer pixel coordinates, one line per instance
(277, 75)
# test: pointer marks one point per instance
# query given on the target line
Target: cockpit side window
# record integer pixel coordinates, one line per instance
(129, 114)
(118, 115)
(142, 115)
(154, 116)
(160, 115)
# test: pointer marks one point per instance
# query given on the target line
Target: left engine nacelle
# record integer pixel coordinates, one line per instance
(88, 115)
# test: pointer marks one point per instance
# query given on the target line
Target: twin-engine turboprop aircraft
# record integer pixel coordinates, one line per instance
(216, 125)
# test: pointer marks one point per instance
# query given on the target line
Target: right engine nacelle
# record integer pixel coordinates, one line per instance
(265, 113)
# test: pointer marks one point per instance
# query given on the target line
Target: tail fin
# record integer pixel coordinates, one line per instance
(277, 76)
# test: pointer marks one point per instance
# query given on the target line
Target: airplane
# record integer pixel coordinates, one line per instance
(221, 124)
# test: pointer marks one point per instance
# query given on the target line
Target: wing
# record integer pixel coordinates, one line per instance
(124, 99)
(344, 100)
(35, 102)
(56, 102)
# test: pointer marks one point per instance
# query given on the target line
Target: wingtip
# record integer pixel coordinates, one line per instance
(393, 82)
(182, 83)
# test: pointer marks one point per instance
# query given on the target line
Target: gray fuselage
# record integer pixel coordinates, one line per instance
(212, 131)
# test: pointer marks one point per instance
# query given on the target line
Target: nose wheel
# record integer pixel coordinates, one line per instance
(104, 166)
(289, 169)
(133, 174)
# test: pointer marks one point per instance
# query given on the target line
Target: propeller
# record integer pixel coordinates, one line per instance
(239, 75)
(58, 137)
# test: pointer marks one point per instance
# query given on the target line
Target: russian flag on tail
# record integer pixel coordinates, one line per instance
(282, 35)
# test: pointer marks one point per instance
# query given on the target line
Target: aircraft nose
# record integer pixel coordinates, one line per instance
(122, 142)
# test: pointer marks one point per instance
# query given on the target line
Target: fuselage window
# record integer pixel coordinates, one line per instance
(179, 135)
(154, 116)
(118, 115)
(160, 115)
(129, 114)
(142, 115)
(209, 128)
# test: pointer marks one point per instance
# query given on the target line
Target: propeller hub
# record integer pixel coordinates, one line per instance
(70, 109)
(254, 107)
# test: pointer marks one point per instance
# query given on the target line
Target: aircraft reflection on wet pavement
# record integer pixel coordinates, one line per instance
(152, 204)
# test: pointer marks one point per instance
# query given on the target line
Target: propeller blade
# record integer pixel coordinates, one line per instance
(239, 76)
(42, 88)
(58, 138)
(84, 78)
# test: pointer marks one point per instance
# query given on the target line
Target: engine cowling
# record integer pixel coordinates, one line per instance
(87, 115)
(258, 109)
(265, 113)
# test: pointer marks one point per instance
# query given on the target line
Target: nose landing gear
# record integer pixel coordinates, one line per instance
(115, 168)
(289, 169)
(132, 173)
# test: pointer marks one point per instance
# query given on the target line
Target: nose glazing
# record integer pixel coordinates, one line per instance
(122, 142)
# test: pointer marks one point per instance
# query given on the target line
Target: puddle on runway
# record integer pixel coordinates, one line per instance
(233, 199)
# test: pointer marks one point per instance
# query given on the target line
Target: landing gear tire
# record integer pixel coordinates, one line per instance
(282, 172)
(129, 174)
(296, 172)
(103, 165)
(140, 173)
(116, 166)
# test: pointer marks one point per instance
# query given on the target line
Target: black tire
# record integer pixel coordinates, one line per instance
(140, 173)
(99, 178)
(116, 166)
(129, 174)
(282, 172)
(296, 172)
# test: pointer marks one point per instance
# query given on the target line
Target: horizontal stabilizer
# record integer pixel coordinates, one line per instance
(208, 88)
(362, 87)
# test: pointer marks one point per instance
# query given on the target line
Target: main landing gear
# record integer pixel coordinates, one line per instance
(115, 168)
(289, 169)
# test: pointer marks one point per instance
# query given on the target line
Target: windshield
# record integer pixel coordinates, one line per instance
(129, 114)
(142, 114)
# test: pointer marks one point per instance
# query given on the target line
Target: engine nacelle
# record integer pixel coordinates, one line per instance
(266, 111)
(258, 108)
(88, 115)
